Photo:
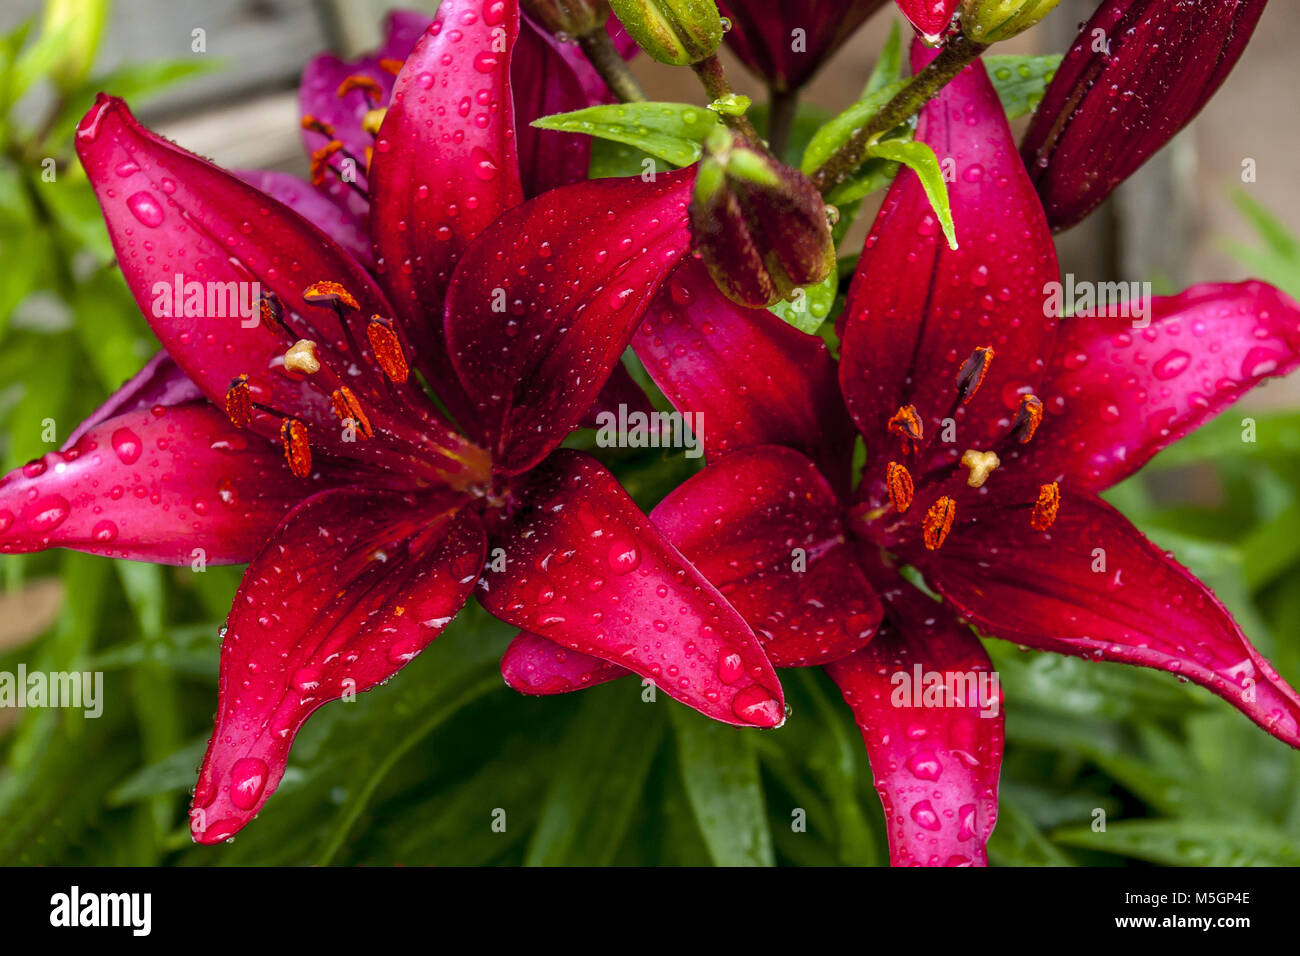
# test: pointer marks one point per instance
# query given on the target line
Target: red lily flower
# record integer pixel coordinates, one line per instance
(786, 43)
(1136, 74)
(945, 351)
(396, 508)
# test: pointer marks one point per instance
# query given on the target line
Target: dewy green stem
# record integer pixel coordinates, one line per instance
(954, 57)
(611, 66)
(715, 83)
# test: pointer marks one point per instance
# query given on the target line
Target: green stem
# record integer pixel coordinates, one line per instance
(782, 106)
(954, 57)
(611, 66)
(714, 78)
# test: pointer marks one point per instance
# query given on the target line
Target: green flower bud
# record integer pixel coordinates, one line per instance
(988, 21)
(678, 32)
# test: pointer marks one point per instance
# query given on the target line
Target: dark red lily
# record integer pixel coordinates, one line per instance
(929, 17)
(1136, 74)
(393, 507)
(949, 358)
(786, 43)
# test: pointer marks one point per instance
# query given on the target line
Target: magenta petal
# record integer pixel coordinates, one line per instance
(544, 303)
(917, 310)
(445, 164)
(1117, 394)
(755, 379)
(174, 217)
(347, 228)
(587, 570)
(935, 765)
(160, 382)
(534, 665)
(1094, 586)
(762, 34)
(930, 17)
(1107, 111)
(175, 485)
(352, 586)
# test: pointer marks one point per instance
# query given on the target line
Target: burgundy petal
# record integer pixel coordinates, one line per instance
(755, 379)
(544, 303)
(168, 484)
(917, 310)
(588, 571)
(175, 218)
(763, 34)
(348, 229)
(930, 17)
(160, 382)
(1112, 105)
(353, 585)
(935, 760)
(532, 664)
(445, 166)
(1117, 394)
(1092, 585)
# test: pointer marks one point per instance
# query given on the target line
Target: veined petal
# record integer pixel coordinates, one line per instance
(352, 586)
(445, 166)
(175, 485)
(160, 382)
(543, 304)
(933, 725)
(347, 228)
(1112, 105)
(1092, 585)
(1121, 389)
(588, 571)
(198, 246)
(917, 310)
(753, 378)
(930, 17)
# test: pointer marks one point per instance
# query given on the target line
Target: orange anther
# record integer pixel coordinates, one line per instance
(972, 372)
(329, 293)
(297, 451)
(938, 522)
(391, 66)
(320, 161)
(906, 424)
(348, 408)
(1046, 507)
(387, 348)
(359, 81)
(899, 482)
(1028, 417)
(316, 126)
(239, 402)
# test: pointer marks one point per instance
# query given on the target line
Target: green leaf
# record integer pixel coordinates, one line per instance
(922, 161)
(720, 772)
(672, 132)
(809, 306)
(1021, 80)
(889, 65)
(1189, 842)
(841, 128)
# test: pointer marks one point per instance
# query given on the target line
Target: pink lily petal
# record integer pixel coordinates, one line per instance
(348, 229)
(755, 379)
(160, 382)
(445, 165)
(917, 310)
(318, 97)
(544, 303)
(762, 34)
(1092, 585)
(174, 485)
(935, 760)
(588, 571)
(1117, 394)
(1109, 109)
(171, 214)
(305, 631)
(739, 522)
(930, 17)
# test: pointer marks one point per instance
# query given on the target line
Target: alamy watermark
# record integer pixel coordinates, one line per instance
(76, 690)
(922, 688)
(637, 429)
(1119, 300)
(194, 299)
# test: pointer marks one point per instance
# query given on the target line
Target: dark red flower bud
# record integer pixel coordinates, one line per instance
(760, 226)
(1138, 72)
(785, 43)
(573, 18)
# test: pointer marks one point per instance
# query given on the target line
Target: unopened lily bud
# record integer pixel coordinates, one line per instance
(572, 18)
(760, 226)
(678, 32)
(989, 21)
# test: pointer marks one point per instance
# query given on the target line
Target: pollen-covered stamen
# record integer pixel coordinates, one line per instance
(1046, 507)
(320, 161)
(369, 87)
(906, 424)
(1028, 417)
(331, 294)
(311, 123)
(387, 348)
(938, 522)
(389, 65)
(348, 408)
(297, 451)
(971, 374)
(301, 358)
(898, 481)
(272, 313)
(239, 402)
(373, 120)
(981, 465)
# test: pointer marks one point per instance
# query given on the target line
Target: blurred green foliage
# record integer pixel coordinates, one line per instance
(446, 766)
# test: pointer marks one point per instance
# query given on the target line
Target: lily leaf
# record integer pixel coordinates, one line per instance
(922, 161)
(809, 306)
(1021, 80)
(889, 65)
(672, 132)
(841, 128)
